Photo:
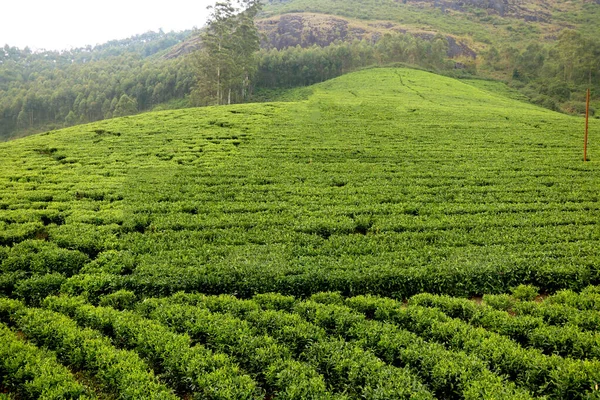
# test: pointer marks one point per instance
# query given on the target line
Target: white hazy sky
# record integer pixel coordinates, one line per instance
(63, 24)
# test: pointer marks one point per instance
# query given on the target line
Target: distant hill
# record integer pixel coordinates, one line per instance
(483, 21)
(473, 24)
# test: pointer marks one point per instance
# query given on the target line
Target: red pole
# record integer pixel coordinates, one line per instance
(587, 115)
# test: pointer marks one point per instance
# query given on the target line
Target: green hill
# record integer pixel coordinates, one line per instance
(380, 185)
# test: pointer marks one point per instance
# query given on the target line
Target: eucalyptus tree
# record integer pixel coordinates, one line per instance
(227, 60)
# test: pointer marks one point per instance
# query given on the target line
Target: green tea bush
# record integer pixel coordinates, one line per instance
(111, 262)
(119, 300)
(36, 288)
(543, 375)
(502, 302)
(86, 238)
(32, 373)
(449, 374)
(41, 257)
(16, 233)
(527, 330)
(525, 292)
(117, 371)
(257, 353)
(188, 369)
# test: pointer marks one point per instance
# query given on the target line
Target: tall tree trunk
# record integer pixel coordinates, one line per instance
(218, 85)
(219, 78)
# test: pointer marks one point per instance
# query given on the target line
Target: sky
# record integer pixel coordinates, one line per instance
(64, 24)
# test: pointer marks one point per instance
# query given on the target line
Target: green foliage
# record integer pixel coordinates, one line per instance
(117, 371)
(499, 301)
(525, 292)
(551, 375)
(345, 368)
(528, 330)
(226, 63)
(49, 90)
(295, 66)
(260, 354)
(33, 290)
(187, 369)
(125, 106)
(354, 200)
(113, 262)
(39, 257)
(120, 300)
(32, 373)
(44, 91)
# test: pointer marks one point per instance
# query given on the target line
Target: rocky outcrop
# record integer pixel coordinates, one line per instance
(308, 29)
(189, 45)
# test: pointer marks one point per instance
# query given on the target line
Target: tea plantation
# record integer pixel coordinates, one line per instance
(392, 234)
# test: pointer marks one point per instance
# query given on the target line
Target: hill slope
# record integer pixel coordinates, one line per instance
(385, 182)
(396, 171)
(484, 22)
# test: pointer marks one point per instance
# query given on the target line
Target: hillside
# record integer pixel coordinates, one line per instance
(482, 23)
(379, 185)
(546, 49)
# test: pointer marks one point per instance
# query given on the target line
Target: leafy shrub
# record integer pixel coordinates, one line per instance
(120, 300)
(40, 257)
(15, 233)
(91, 286)
(33, 373)
(117, 371)
(112, 262)
(525, 292)
(188, 369)
(87, 238)
(8, 280)
(35, 289)
(500, 301)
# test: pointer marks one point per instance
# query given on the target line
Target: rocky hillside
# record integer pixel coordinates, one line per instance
(470, 26)
(308, 29)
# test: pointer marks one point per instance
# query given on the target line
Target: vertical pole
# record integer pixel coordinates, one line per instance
(587, 115)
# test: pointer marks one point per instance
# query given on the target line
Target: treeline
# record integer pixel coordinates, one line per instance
(554, 75)
(301, 67)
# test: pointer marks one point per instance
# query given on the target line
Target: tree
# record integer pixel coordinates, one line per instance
(125, 106)
(569, 47)
(227, 61)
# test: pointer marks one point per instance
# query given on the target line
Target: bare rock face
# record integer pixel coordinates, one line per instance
(305, 30)
(190, 45)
